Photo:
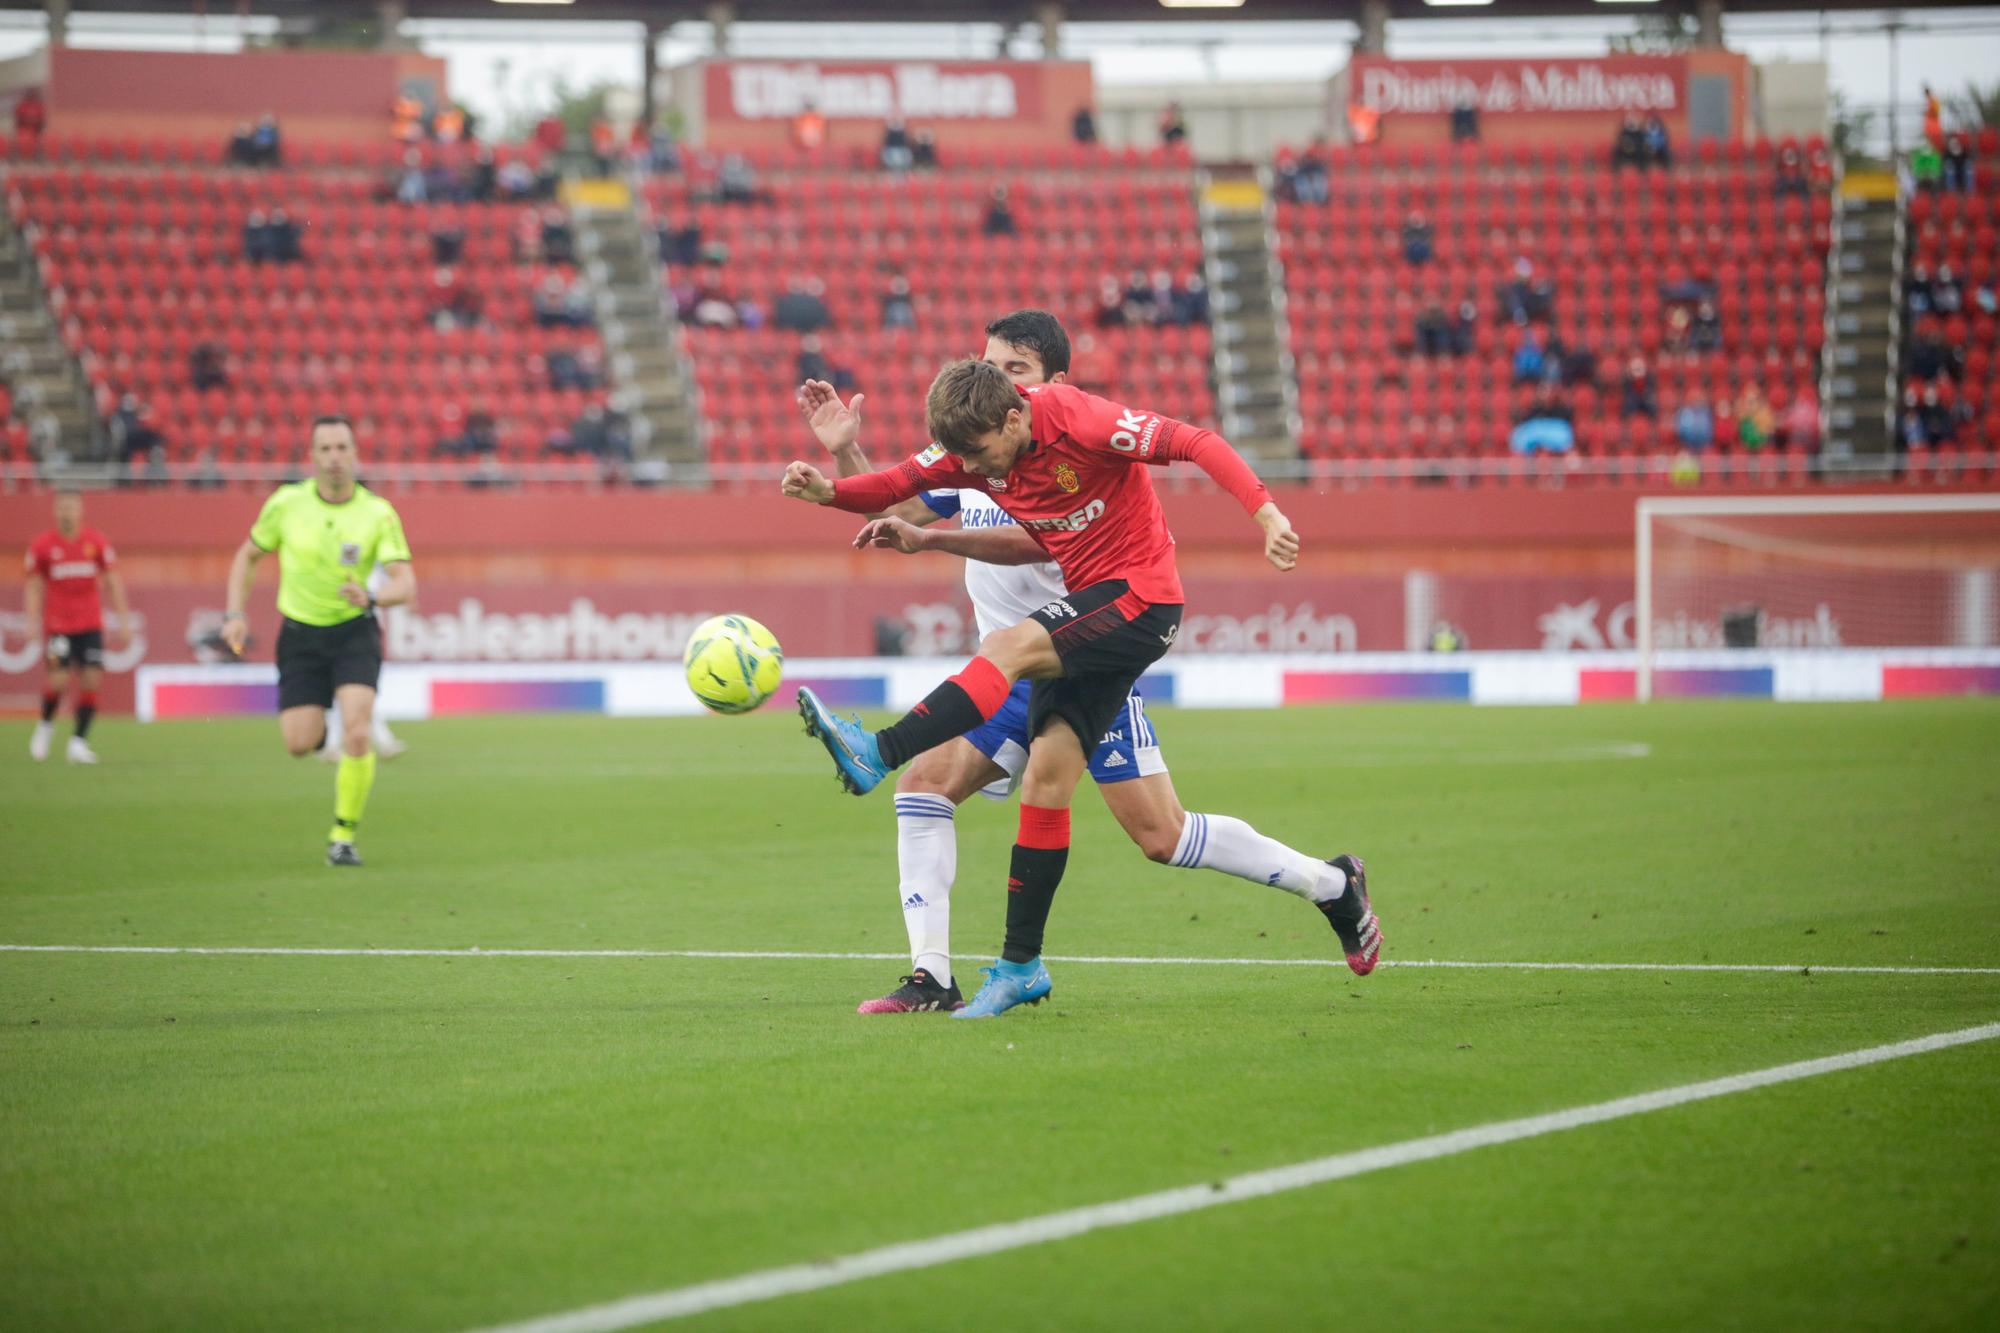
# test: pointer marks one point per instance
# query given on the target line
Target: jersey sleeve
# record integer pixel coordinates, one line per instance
(935, 468)
(1148, 437)
(392, 545)
(268, 530)
(945, 504)
(107, 559)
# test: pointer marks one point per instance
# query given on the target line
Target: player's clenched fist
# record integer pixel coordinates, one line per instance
(1281, 543)
(236, 633)
(803, 481)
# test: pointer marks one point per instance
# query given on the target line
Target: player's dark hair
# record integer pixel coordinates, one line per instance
(333, 419)
(967, 400)
(1035, 331)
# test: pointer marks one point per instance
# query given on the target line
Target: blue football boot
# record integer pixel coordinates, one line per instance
(1008, 984)
(851, 745)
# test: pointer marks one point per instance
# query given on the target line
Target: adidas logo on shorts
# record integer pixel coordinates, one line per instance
(1114, 760)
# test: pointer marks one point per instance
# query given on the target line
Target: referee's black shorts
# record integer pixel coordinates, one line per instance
(1106, 636)
(314, 660)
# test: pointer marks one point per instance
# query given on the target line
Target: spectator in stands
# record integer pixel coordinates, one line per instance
(558, 241)
(1364, 124)
(1798, 428)
(1173, 126)
(45, 439)
(481, 436)
(1525, 297)
(1465, 120)
(1925, 356)
(1947, 295)
(31, 116)
(1914, 436)
(1139, 307)
(1917, 291)
(205, 472)
(1190, 301)
(1705, 335)
(1694, 425)
(1546, 424)
(1434, 331)
(1577, 364)
(1417, 248)
(1791, 172)
(1529, 358)
(1984, 298)
(448, 126)
(266, 144)
(550, 134)
(412, 186)
(1110, 303)
(809, 129)
(483, 183)
(923, 151)
(802, 309)
(1629, 148)
(1755, 422)
(1636, 396)
(896, 153)
(206, 368)
(1312, 181)
(239, 152)
(1957, 164)
(455, 302)
(1933, 119)
(258, 246)
(406, 120)
(1466, 335)
(285, 238)
(1926, 168)
(736, 180)
(549, 303)
(603, 145)
(899, 309)
(1941, 416)
(999, 216)
(1659, 151)
(597, 433)
(447, 242)
(133, 435)
(1083, 125)
(814, 365)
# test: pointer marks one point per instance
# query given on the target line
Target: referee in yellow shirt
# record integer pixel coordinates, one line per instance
(330, 533)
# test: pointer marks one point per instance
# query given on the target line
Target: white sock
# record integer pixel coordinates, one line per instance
(1220, 842)
(927, 857)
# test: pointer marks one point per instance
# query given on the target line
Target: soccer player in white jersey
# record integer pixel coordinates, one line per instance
(1009, 577)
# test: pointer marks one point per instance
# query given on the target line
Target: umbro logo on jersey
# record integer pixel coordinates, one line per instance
(1173, 632)
(1114, 760)
(1054, 609)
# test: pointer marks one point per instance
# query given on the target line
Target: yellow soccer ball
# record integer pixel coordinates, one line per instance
(733, 663)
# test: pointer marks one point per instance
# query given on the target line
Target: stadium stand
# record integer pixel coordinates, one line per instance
(1603, 261)
(144, 256)
(1950, 400)
(849, 228)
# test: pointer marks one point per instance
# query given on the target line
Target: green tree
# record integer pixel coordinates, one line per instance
(1853, 129)
(576, 107)
(1974, 108)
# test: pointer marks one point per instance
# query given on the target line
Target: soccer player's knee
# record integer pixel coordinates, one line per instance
(1158, 841)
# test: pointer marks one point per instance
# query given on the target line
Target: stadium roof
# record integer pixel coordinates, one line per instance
(662, 12)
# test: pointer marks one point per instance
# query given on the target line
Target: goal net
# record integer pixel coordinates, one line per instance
(1815, 572)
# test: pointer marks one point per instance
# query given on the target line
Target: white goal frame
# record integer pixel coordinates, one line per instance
(1741, 506)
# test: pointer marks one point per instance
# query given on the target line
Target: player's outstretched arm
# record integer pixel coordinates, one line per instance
(837, 426)
(992, 546)
(242, 568)
(874, 492)
(31, 604)
(1226, 468)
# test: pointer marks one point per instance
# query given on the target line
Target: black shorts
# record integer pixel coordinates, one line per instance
(1106, 637)
(314, 660)
(79, 648)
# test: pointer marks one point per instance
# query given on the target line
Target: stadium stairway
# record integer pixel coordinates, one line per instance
(38, 367)
(1860, 373)
(1255, 388)
(621, 257)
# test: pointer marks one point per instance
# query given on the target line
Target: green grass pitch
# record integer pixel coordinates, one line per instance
(265, 1142)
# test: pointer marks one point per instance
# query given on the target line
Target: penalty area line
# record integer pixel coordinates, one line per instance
(778, 955)
(908, 1256)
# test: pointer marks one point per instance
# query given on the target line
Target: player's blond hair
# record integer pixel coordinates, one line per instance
(967, 400)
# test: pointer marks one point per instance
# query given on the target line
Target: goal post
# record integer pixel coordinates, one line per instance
(1813, 572)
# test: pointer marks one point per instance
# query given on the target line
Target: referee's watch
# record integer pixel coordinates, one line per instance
(228, 616)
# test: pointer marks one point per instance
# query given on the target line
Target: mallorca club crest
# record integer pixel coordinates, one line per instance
(1066, 478)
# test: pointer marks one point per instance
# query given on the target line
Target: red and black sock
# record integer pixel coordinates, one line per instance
(952, 709)
(86, 710)
(1039, 859)
(51, 700)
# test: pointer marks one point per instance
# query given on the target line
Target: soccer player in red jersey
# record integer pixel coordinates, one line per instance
(1065, 464)
(64, 567)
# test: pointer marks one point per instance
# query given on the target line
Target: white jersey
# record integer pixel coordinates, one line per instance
(1002, 595)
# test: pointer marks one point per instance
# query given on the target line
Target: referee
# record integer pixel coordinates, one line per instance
(330, 533)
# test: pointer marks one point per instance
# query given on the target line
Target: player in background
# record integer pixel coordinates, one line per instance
(330, 533)
(387, 744)
(1065, 464)
(64, 567)
(1008, 577)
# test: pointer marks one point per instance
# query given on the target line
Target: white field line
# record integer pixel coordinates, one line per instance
(771, 1283)
(1470, 965)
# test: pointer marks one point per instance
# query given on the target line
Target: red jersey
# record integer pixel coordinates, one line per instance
(1078, 487)
(70, 568)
